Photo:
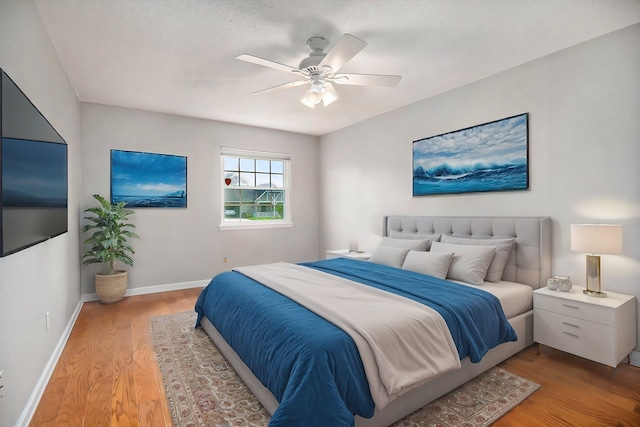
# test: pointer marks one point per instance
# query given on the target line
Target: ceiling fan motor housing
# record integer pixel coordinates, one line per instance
(317, 46)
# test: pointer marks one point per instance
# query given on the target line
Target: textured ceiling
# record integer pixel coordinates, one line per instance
(178, 57)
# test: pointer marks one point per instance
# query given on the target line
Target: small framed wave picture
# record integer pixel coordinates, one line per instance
(148, 180)
(492, 156)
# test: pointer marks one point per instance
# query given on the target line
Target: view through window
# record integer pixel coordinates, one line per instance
(255, 188)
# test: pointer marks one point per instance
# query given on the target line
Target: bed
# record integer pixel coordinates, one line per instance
(219, 313)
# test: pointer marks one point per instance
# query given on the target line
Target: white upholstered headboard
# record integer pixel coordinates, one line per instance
(529, 262)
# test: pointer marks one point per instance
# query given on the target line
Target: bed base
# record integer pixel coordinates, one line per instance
(408, 402)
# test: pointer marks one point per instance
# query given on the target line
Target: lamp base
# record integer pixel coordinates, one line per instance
(594, 288)
(594, 293)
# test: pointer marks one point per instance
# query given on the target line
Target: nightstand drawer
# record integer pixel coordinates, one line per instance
(581, 337)
(575, 309)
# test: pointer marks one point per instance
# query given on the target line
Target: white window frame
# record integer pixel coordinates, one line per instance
(240, 224)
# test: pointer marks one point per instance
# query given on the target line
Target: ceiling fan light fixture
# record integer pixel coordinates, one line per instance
(328, 94)
(306, 102)
(313, 95)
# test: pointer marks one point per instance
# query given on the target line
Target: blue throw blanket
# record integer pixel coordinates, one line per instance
(313, 367)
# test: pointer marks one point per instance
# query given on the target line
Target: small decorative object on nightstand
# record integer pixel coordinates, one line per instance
(596, 239)
(602, 330)
(560, 283)
(348, 253)
(564, 284)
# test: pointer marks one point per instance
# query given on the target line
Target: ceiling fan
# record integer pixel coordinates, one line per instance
(321, 69)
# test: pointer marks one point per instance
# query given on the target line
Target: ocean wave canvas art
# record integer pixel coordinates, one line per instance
(488, 157)
(148, 180)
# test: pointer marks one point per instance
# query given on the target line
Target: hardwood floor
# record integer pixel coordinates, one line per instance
(574, 391)
(108, 376)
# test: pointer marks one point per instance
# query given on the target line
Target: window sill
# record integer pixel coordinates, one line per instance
(251, 225)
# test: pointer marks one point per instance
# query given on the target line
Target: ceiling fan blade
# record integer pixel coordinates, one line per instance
(345, 49)
(282, 86)
(367, 80)
(267, 63)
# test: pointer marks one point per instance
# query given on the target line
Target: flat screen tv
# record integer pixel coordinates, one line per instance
(33, 174)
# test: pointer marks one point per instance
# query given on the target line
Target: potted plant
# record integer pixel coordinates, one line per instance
(108, 245)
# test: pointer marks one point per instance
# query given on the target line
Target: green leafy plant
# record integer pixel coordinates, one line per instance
(110, 233)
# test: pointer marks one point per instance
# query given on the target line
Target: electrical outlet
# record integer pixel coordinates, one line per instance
(46, 319)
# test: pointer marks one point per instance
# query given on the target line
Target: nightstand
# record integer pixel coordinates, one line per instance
(598, 329)
(346, 253)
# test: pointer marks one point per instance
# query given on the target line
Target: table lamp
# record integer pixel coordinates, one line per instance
(595, 239)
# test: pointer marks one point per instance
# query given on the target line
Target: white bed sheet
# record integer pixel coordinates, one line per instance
(515, 298)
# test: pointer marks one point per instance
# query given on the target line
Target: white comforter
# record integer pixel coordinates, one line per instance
(402, 343)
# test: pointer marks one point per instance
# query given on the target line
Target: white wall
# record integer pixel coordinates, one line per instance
(584, 152)
(45, 277)
(185, 245)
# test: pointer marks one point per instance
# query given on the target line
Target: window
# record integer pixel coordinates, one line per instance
(255, 189)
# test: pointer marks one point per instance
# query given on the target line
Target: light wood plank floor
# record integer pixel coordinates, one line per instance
(108, 376)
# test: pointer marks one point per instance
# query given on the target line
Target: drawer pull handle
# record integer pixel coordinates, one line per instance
(570, 324)
(571, 306)
(569, 333)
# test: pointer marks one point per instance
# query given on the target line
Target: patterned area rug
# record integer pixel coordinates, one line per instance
(204, 390)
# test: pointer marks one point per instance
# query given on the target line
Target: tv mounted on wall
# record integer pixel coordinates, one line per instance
(33, 174)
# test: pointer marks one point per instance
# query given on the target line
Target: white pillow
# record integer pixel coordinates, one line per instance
(400, 235)
(470, 262)
(503, 250)
(430, 263)
(388, 255)
(414, 245)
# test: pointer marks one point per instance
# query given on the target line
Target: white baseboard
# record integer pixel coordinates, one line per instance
(634, 358)
(154, 289)
(36, 395)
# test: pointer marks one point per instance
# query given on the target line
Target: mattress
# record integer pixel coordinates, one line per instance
(515, 298)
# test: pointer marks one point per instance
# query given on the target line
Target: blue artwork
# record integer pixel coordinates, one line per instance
(148, 180)
(488, 157)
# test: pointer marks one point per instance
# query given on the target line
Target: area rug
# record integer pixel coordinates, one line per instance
(203, 389)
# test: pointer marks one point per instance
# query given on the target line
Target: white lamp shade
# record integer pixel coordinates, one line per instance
(596, 238)
(314, 94)
(306, 102)
(319, 92)
(328, 94)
